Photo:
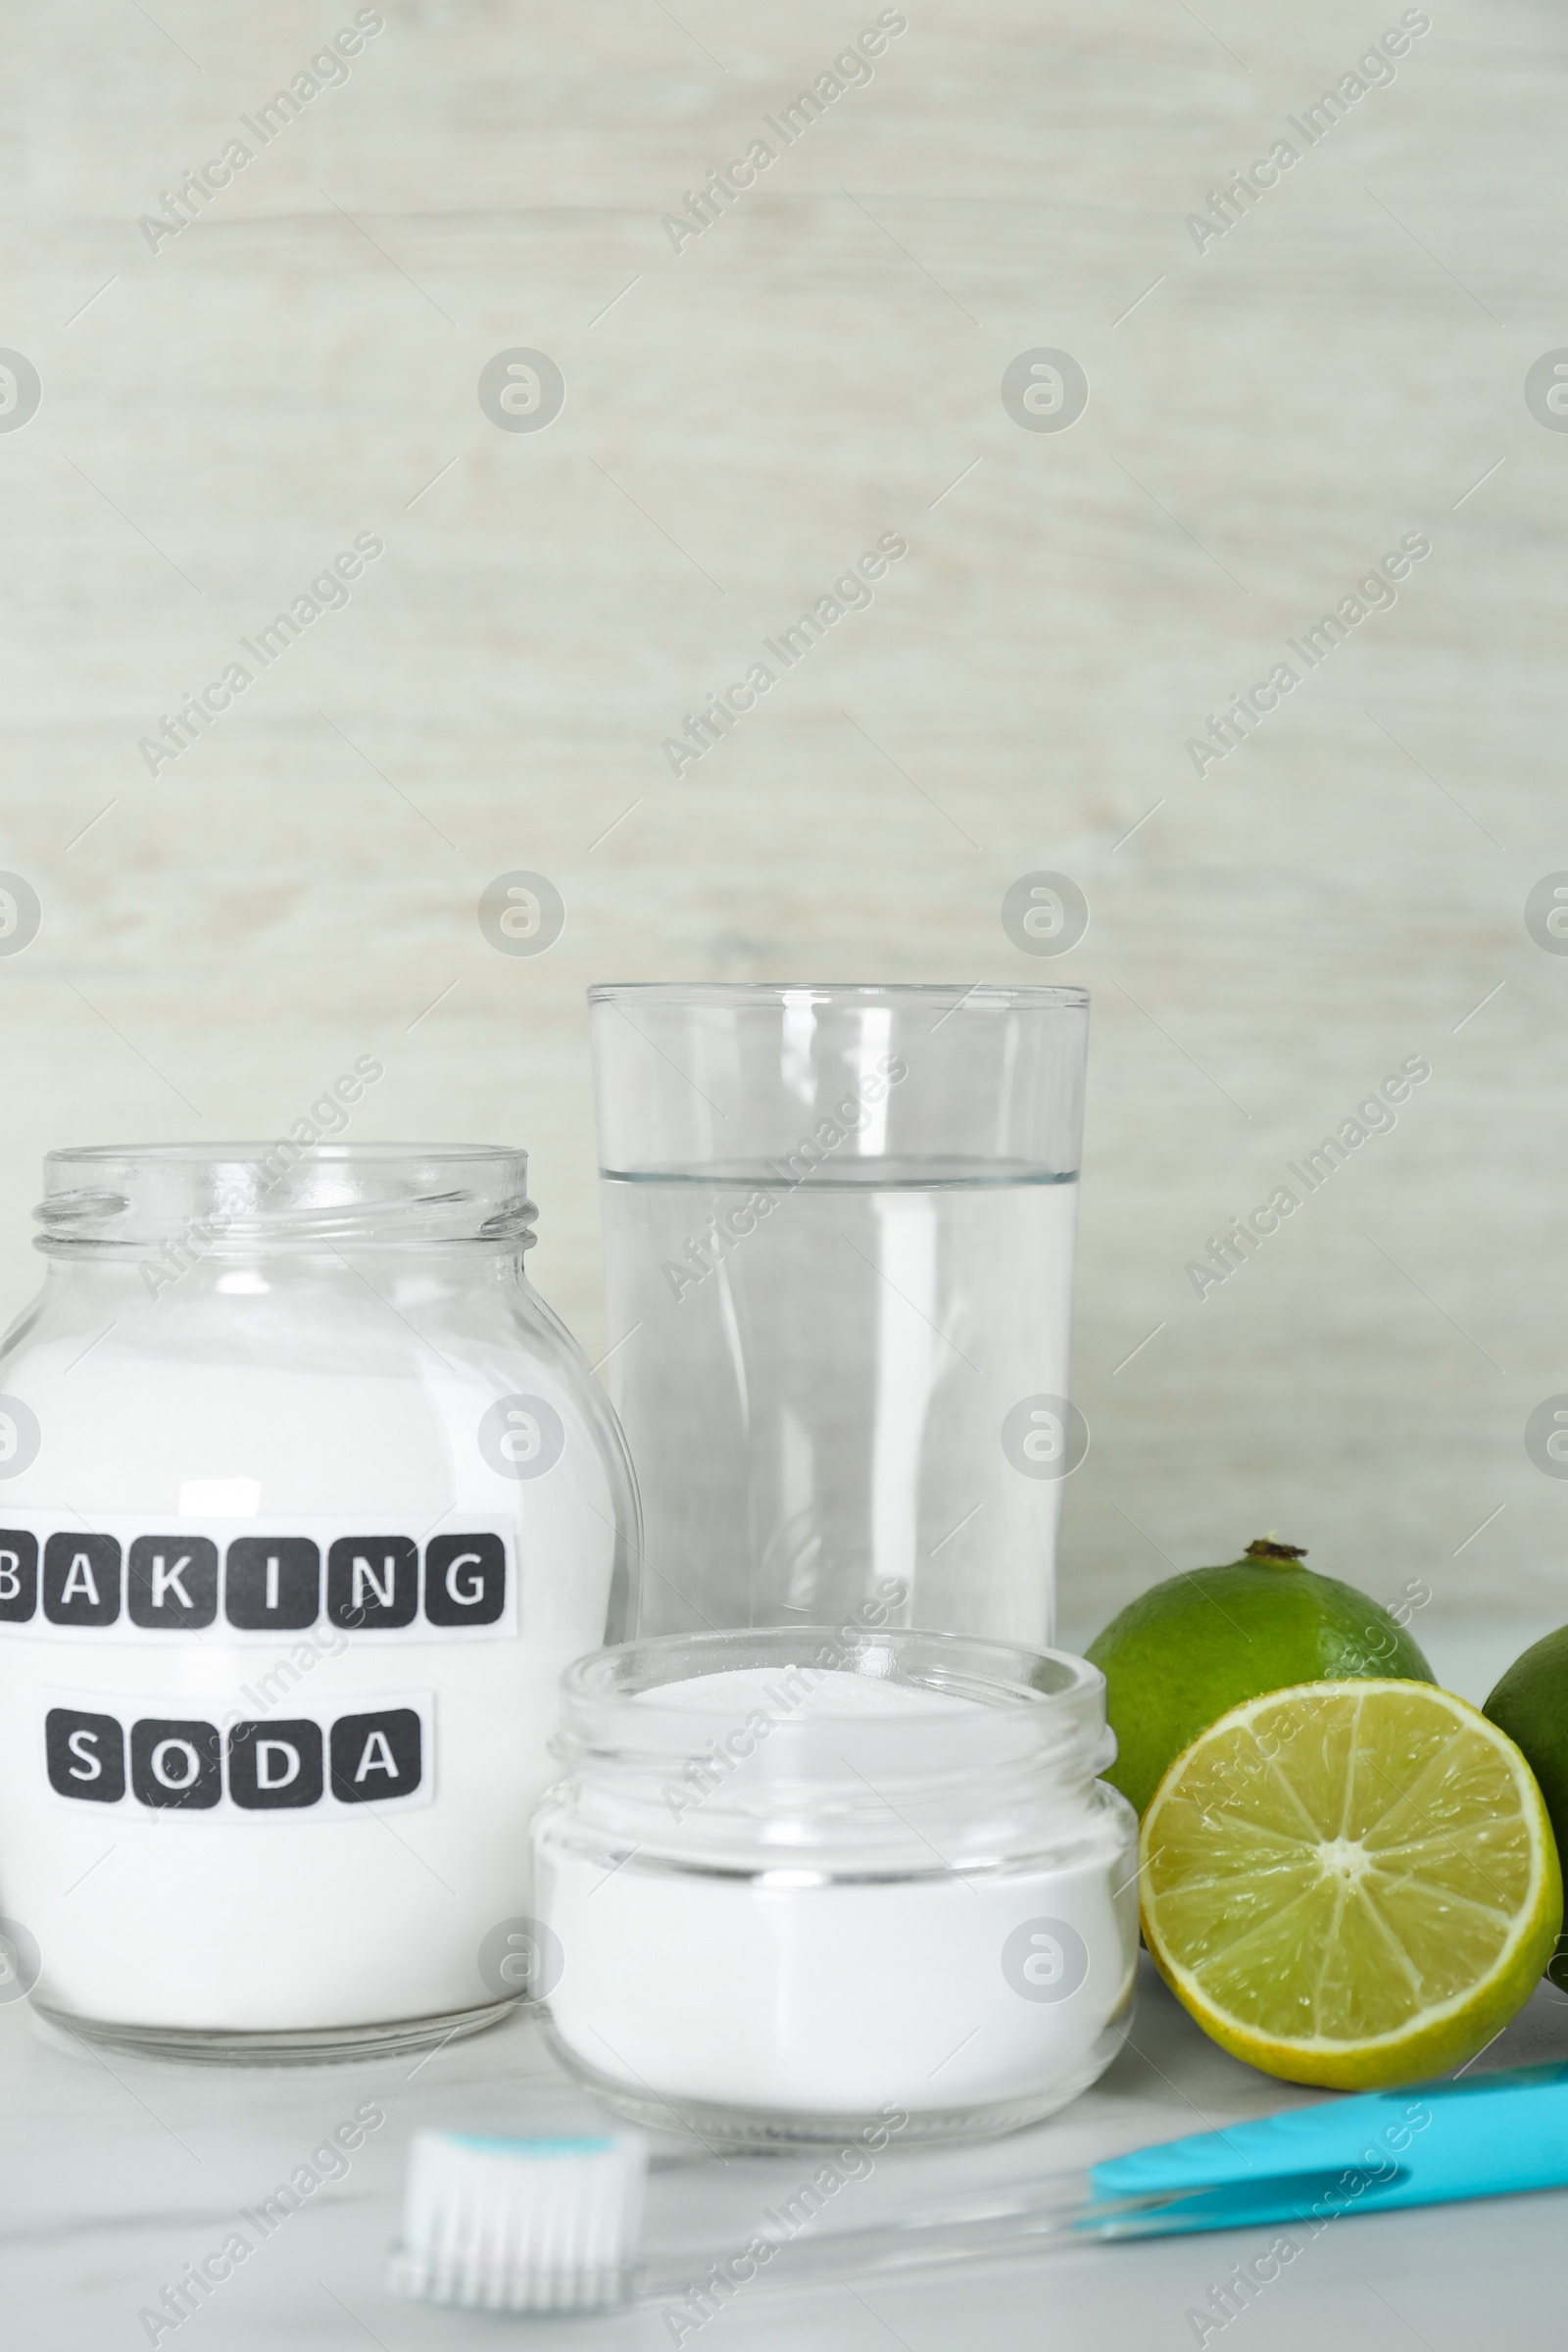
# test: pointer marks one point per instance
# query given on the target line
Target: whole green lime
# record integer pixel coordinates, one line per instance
(1187, 1651)
(1530, 1705)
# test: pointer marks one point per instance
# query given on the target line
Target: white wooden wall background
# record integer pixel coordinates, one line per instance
(1266, 418)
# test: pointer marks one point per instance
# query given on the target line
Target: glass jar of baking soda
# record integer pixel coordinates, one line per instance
(305, 1500)
(807, 1884)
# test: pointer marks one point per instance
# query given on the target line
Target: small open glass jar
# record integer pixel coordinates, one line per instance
(861, 1876)
(305, 1500)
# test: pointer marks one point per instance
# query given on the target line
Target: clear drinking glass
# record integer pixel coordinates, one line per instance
(839, 1227)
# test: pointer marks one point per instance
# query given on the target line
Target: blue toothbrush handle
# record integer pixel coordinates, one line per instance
(1495, 2136)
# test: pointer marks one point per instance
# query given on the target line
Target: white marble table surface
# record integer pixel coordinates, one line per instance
(115, 2172)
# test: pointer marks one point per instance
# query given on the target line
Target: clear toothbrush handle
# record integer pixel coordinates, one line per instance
(1434, 2144)
(935, 2235)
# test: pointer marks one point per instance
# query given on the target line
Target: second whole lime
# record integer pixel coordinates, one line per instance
(1530, 1705)
(1191, 1648)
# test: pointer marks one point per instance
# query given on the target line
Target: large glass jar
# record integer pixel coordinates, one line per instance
(800, 1884)
(305, 1500)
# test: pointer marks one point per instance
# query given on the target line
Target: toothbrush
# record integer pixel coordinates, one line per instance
(551, 2226)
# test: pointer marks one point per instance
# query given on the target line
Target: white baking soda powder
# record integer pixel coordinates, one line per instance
(270, 1737)
(935, 1976)
(736, 1692)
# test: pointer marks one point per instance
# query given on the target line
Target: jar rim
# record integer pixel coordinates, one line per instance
(224, 1198)
(772, 1783)
(612, 1674)
(1033, 1698)
(246, 1151)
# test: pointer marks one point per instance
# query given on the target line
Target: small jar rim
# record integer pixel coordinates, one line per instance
(606, 1690)
(592, 1673)
(772, 1784)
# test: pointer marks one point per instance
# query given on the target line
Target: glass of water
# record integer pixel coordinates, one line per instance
(839, 1226)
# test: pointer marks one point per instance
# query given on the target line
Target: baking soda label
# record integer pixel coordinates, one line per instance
(170, 1756)
(132, 1580)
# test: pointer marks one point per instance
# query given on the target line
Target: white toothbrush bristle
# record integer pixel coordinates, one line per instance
(520, 2225)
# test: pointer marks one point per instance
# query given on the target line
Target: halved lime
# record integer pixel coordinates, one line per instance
(1351, 1882)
